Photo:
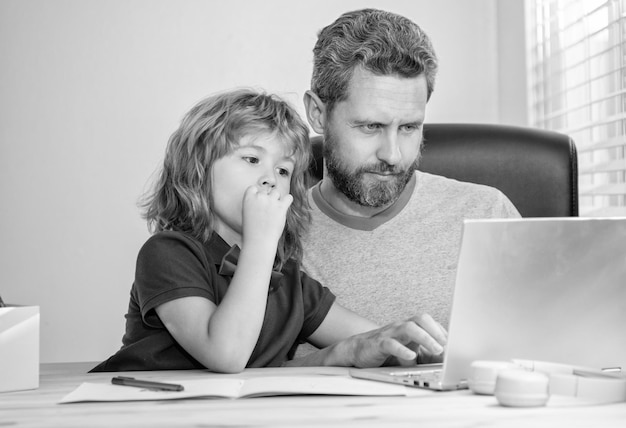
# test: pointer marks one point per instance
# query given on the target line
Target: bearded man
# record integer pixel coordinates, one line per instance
(384, 237)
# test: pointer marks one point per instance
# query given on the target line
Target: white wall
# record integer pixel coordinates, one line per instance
(90, 91)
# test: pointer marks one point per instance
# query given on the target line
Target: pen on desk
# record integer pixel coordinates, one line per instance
(137, 383)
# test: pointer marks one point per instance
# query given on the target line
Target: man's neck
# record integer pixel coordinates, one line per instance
(341, 203)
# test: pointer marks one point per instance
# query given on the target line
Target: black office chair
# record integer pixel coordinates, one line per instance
(536, 169)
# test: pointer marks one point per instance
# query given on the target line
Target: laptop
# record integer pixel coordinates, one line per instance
(543, 289)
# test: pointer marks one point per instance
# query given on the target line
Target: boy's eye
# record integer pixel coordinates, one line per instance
(251, 159)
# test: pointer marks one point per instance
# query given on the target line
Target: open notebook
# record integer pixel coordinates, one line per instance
(549, 289)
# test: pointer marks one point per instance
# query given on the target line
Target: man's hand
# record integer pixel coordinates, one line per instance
(419, 339)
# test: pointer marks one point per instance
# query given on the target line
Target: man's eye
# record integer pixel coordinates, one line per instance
(409, 128)
(251, 159)
(371, 126)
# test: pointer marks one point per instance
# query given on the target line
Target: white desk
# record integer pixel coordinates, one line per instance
(39, 408)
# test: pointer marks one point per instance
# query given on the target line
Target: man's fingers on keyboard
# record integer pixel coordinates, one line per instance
(423, 338)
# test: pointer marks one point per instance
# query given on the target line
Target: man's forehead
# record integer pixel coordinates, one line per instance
(390, 95)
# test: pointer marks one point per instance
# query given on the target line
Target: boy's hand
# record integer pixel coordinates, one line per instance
(264, 214)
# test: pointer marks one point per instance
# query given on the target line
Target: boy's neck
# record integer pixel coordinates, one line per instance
(229, 236)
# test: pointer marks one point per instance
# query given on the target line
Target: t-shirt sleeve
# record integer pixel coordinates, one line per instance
(504, 208)
(317, 302)
(170, 266)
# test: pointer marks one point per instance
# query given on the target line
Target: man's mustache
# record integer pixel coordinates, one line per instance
(381, 168)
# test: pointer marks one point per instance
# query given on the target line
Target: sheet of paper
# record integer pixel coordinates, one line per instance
(321, 385)
(88, 391)
(215, 387)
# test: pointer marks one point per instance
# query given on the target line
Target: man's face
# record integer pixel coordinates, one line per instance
(373, 137)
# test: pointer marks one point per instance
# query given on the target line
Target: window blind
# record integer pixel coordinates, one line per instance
(577, 86)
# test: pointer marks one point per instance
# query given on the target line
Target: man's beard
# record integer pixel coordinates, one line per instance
(358, 188)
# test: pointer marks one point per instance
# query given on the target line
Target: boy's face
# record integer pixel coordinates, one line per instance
(373, 137)
(261, 161)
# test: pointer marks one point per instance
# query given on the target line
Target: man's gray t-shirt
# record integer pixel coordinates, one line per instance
(403, 261)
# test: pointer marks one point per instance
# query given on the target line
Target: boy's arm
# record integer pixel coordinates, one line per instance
(223, 337)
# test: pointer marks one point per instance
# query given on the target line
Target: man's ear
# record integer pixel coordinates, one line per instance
(315, 111)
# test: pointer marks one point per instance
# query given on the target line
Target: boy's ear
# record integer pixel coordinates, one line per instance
(315, 111)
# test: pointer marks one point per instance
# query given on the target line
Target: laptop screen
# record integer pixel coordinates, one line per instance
(549, 289)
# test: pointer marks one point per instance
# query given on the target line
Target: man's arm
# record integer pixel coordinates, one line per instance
(348, 339)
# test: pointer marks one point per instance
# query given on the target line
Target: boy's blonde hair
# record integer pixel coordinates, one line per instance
(180, 199)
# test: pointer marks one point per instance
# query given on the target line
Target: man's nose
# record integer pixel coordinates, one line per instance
(389, 149)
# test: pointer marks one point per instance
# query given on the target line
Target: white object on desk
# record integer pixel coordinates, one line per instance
(19, 348)
(524, 383)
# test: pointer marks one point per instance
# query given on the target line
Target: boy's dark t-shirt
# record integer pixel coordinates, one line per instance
(172, 265)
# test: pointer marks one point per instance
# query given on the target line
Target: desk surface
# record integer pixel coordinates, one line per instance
(39, 408)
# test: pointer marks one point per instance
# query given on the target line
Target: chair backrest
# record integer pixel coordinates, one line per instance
(536, 169)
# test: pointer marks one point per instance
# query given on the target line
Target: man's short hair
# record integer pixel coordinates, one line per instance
(381, 42)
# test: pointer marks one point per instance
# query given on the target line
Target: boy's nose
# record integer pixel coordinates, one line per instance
(268, 180)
